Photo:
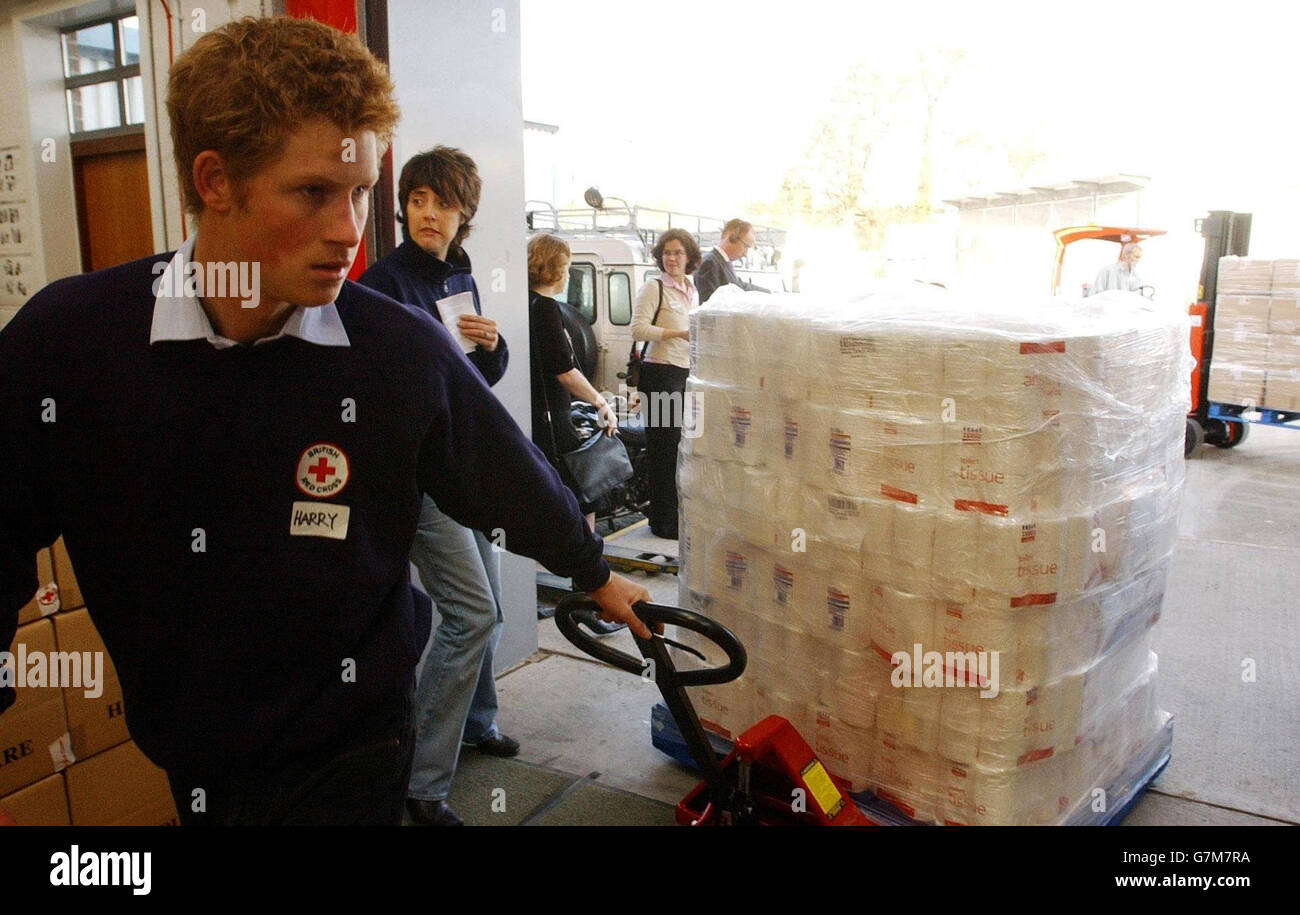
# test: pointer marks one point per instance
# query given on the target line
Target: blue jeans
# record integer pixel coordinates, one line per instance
(455, 696)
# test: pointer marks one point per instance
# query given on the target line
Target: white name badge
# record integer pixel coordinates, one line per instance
(319, 519)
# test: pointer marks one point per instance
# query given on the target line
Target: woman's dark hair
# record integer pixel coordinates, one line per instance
(451, 175)
(688, 242)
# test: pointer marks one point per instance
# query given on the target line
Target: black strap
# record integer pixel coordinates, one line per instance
(631, 354)
(554, 456)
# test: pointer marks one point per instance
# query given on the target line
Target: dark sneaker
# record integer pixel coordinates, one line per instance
(500, 745)
(432, 813)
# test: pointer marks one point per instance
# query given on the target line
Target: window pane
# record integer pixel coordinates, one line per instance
(130, 35)
(134, 88)
(93, 107)
(581, 290)
(88, 50)
(620, 299)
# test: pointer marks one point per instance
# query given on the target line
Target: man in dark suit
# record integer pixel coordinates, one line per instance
(715, 269)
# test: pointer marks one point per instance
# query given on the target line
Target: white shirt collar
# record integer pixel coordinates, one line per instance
(718, 248)
(181, 317)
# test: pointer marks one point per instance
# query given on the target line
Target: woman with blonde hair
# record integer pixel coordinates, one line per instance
(556, 378)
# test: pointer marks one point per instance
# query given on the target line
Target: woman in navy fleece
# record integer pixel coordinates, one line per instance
(456, 694)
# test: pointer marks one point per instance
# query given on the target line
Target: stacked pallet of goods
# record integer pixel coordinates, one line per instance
(942, 528)
(1256, 357)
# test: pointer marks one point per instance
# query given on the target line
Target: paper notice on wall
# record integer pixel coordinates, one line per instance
(18, 278)
(11, 176)
(450, 309)
(15, 224)
(17, 281)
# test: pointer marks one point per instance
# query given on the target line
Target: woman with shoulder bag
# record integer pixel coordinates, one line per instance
(662, 316)
(556, 378)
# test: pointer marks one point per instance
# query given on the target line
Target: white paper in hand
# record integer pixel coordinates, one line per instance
(450, 309)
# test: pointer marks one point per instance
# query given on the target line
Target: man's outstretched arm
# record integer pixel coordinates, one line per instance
(482, 470)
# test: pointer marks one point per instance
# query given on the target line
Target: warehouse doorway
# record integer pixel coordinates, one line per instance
(111, 177)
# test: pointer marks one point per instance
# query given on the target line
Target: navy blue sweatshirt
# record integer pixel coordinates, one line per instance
(414, 276)
(238, 650)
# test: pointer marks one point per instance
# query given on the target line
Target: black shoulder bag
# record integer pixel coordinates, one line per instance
(598, 465)
(634, 359)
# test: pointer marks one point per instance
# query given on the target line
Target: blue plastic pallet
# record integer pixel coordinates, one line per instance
(1127, 789)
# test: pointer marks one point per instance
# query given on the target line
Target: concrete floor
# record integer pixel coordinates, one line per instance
(1232, 596)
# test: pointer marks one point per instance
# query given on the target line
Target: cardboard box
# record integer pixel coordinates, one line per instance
(1241, 324)
(1236, 384)
(94, 723)
(69, 592)
(1232, 347)
(120, 787)
(1282, 391)
(1283, 352)
(42, 804)
(34, 739)
(1250, 276)
(46, 600)
(1284, 314)
(1244, 312)
(1286, 276)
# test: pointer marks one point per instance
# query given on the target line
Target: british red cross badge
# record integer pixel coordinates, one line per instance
(322, 471)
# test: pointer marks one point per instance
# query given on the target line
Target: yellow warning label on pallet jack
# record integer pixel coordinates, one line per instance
(823, 790)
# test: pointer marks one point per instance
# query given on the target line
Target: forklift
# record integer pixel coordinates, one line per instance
(1116, 234)
(1225, 233)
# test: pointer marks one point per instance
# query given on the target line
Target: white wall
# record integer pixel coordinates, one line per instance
(457, 70)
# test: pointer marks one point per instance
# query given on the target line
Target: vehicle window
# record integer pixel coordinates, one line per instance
(620, 299)
(580, 292)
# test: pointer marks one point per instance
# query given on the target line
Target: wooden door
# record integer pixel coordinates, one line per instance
(113, 209)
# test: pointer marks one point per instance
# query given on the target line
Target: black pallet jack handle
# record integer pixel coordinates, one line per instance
(672, 682)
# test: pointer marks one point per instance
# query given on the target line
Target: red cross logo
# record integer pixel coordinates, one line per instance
(323, 470)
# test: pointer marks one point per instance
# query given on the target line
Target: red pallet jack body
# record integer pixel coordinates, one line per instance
(771, 777)
(774, 766)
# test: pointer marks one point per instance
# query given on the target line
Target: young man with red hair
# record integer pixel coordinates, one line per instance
(238, 486)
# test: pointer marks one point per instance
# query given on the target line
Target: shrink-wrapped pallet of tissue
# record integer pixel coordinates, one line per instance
(942, 527)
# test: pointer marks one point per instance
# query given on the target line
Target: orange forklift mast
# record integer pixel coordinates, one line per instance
(1225, 233)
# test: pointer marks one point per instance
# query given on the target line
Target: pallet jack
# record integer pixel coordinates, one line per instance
(771, 777)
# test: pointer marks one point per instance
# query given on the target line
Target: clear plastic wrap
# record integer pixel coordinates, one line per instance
(909, 479)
